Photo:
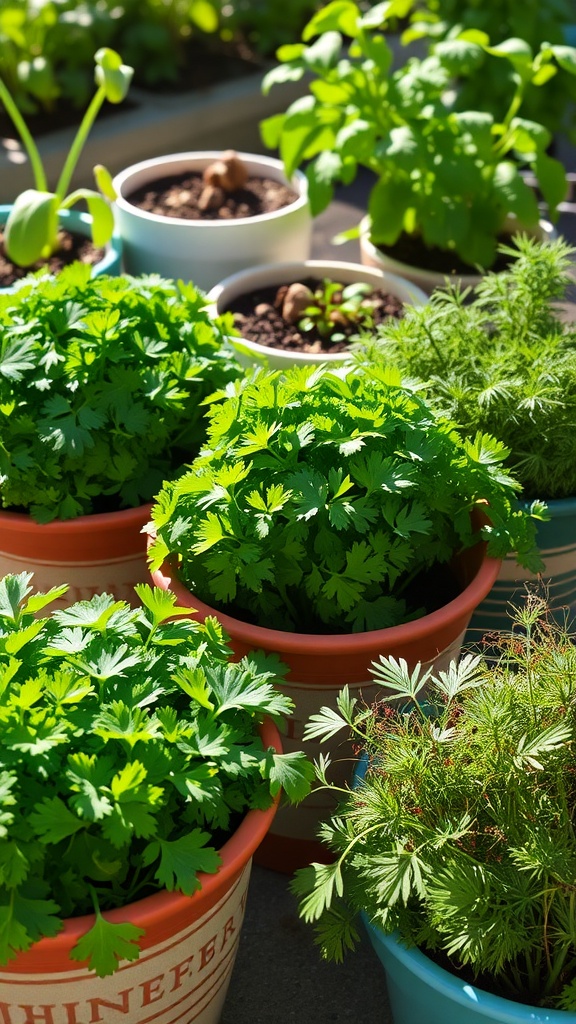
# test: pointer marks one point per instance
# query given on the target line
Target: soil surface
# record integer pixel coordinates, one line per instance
(179, 195)
(258, 317)
(72, 248)
(409, 249)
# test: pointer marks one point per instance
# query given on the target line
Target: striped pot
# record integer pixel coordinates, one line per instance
(187, 951)
(556, 541)
(101, 553)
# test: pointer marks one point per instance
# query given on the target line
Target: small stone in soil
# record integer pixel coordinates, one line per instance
(258, 315)
(163, 197)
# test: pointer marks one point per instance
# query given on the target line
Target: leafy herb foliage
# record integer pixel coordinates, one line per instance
(461, 833)
(446, 175)
(334, 306)
(130, 749)
(101, 388)
(503, 360)
(321, 494)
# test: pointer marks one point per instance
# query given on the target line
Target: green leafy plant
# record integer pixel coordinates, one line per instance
(31, 231)
(130, 752)
(446, 177)
(320, 496)
(460, 835)
(102, 382)
(532, 21)
(503, 360)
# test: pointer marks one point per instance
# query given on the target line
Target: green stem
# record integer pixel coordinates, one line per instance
(78, 143)
(29, 145)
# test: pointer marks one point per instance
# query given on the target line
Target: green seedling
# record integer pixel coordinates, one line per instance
(31, 231)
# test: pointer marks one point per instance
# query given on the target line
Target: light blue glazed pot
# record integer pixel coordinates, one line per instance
(420, 992)
(77, 221)
(556, 540)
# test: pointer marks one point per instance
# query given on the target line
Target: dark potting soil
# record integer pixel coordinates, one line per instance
(178, 196)
(258, 317)
(72, 247)
(410, 250)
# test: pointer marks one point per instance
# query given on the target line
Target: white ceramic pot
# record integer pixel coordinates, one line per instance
(251, 353)
(429, 280)
(205, 251)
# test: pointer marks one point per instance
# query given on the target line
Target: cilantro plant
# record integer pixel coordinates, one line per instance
(31, 231)
(502, 360)
(102, 382)
(321, 495)
(446, 177)
(130, 752)
(461, 833)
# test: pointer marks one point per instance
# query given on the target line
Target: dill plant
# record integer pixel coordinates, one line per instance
(460, 836)
(503, 360)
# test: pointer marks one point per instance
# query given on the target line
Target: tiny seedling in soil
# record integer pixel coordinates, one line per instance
(313, 316)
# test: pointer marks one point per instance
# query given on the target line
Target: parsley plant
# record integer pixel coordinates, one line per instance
(101, 388)
(320, 495)
(130, 751)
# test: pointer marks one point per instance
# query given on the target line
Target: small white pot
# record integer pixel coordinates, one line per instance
(250, 353)
(429, 280)
(205, 251)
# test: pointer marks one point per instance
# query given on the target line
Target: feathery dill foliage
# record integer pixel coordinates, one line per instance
(101, 388)
(130, 751)
(504, 362)
(321, 494)
(461, 833)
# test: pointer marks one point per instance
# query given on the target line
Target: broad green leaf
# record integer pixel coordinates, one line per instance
(552, 181)
(290, 772)
(106, 945)
(181, 860)
(337, 16)
(52, 821)
(32, 226)
(112, 75)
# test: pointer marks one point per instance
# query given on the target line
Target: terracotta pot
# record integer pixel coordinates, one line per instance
(250, 353)
(79, 223)
(205, 251)
(188, 950)
(320, 665)
(102, 553)
(428, 280)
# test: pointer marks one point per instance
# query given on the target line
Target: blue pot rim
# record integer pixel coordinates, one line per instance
(494, 1008)
(76, 218)
(559, 508)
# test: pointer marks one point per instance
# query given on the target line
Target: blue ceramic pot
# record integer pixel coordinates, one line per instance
(420, 992)
(556, 541)
(74, 220)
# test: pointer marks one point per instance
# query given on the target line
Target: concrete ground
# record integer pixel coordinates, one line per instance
(279, 976)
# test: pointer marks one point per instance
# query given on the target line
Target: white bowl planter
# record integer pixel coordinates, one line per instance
(205, 251)
(250, 352)
(429, 280)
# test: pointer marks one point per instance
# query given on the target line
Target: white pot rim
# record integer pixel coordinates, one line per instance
(267, 275)
(174, 163)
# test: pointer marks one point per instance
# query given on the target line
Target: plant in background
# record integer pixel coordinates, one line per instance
(259, 24)
(320, 495)
(441, 21)
(504, 360)
(447, 177)
(102, 382)
(31, 231)
(460, 835)
(130, 752)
